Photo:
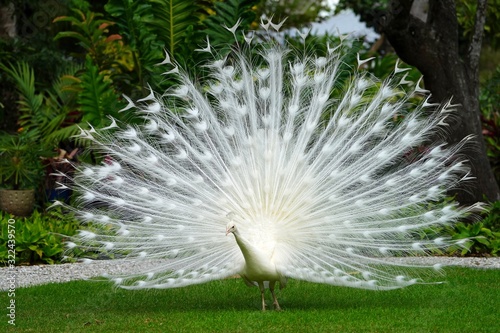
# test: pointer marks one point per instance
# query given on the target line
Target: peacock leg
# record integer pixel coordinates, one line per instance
(275, 299)
(261, 287)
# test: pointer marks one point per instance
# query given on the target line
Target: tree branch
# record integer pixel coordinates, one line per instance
(477, 37)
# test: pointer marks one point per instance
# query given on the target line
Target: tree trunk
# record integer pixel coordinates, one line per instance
(425, 34)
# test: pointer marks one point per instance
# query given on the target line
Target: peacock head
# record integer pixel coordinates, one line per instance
(230, 228)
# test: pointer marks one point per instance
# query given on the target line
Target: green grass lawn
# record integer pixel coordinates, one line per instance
(468, 302)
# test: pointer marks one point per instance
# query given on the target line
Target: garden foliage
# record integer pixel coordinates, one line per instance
(39, 238)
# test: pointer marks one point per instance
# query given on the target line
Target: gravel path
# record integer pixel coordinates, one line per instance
(34, 275)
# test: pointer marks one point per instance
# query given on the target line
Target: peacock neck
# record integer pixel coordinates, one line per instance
(245, 246)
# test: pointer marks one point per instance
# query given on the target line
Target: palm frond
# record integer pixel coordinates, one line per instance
(30, 103)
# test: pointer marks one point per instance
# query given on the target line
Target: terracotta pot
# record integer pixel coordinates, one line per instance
(17, 202)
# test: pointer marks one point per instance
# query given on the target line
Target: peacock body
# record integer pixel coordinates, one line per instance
(309, 180)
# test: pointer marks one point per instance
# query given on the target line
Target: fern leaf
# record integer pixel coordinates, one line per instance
(227, 15)
(172, 21)
(97, 99)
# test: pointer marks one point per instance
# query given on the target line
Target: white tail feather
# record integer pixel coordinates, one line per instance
(322, 186)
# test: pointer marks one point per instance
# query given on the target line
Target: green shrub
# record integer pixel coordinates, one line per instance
(490, 117)
(38, 238)
(484, 235)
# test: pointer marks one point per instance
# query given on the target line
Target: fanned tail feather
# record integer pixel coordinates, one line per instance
(337, 185)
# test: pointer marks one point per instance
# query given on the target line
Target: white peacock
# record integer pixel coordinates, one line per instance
(312, 186)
